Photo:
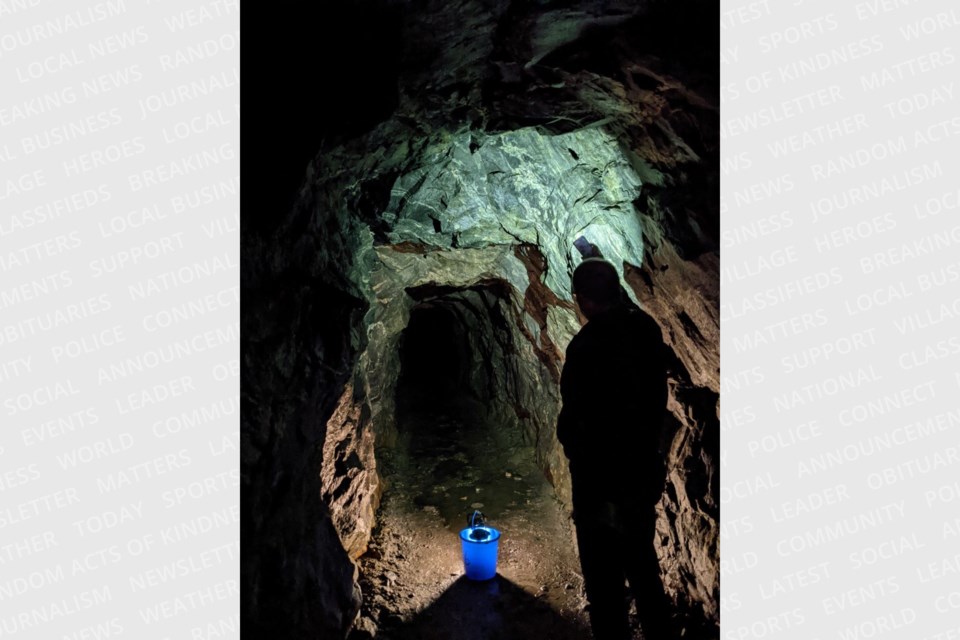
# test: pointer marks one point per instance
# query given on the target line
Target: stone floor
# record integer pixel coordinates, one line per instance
(448, 463)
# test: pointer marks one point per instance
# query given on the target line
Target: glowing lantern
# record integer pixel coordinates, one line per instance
(479, 548)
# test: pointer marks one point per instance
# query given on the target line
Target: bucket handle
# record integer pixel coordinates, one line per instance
(473, 518)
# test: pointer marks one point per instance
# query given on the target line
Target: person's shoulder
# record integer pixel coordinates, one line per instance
(638, 317)
(576, 342)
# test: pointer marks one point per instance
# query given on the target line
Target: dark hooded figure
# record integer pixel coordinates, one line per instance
(614, 393)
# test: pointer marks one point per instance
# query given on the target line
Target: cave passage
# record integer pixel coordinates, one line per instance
(434, 355)
(454, 456)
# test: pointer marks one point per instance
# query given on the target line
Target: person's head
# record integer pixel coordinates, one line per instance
(596, 286)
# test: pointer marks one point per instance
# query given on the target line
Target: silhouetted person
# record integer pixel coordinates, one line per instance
(614, 394)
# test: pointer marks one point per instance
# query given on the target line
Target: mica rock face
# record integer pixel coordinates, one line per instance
(521, 187)
(520, 130)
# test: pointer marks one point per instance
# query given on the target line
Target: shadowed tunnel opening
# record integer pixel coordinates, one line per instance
(460, 445)
(455, 350)
(434, 356)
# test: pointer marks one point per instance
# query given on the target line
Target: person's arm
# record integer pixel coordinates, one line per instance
(569, 429)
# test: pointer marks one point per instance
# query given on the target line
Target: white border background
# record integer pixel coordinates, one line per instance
(119, 317)
(839, 320)
(119, 155)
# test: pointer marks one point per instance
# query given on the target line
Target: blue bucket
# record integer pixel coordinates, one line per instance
(479, 550)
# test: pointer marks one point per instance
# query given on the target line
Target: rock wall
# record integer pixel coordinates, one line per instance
(520, 128)
(348, 473)
(298, 581)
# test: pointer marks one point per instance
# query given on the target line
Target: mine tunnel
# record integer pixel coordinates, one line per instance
(407, 262)
(455, 439)
(466, 443)
(434, 357)
(453, 342)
